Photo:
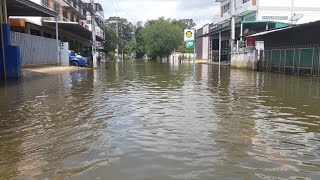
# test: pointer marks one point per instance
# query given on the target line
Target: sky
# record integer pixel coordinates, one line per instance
(201, 11)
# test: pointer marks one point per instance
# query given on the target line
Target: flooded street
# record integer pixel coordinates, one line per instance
(143, 120)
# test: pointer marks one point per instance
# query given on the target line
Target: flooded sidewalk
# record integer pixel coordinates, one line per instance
(31, 71)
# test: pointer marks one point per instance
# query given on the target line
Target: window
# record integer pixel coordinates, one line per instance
(56, 7)
(226, 8)
(88, 21)
(45, 3)
(244, 1)
(279, 18)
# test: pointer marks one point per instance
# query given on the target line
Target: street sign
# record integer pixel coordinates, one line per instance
(189, 34)
(190, 44)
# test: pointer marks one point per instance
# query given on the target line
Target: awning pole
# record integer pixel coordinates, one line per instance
(5, 15)
(57, 40)
(219, 47)
(241, 31)
(94, 40)
(3, 20)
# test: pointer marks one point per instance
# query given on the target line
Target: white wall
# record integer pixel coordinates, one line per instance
(309, 8)
(205, 43)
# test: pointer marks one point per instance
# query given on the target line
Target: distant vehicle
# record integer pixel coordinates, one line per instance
(76, 59)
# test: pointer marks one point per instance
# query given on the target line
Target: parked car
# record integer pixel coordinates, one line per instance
(76, 59)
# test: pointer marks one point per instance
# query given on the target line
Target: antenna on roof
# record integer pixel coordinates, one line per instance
(295, 18)
(246, 31)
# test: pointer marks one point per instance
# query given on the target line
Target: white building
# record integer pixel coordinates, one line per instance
(253, 16)
(270, 10)
(99, 23)
(71, 19)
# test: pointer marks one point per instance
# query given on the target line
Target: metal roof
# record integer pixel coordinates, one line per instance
(28, 8)
(267, 32)
(73, 27)
(315, 24)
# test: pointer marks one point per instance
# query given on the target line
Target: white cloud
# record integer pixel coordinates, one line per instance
(202, 11)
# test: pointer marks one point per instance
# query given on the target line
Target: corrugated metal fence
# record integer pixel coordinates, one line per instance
(296, 60)
(35, 50)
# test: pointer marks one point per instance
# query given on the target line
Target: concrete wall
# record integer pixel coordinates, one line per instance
(245, 59)
(309, 8)
(205, 43)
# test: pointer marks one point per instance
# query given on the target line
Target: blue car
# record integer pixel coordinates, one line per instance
(76, 60)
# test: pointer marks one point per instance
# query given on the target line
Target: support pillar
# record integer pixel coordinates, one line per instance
(10, 65)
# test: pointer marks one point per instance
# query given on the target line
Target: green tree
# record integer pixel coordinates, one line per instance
(111, 40)
(125, 28)
(161, 37)
(185, 23)
(131, 49)
(140, 49)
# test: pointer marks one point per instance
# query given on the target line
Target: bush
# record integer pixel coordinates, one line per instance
(112, 56)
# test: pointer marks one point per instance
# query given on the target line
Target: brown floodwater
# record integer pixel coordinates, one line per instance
(146, 120)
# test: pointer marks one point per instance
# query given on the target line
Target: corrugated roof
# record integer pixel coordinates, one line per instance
(267, 32)
(306, 25)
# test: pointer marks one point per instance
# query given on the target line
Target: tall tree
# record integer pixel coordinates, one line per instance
(125, 28)
(111, 40)
(161, 37)
(185, 23)
(140, 49)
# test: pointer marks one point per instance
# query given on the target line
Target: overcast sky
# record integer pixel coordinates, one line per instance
(202, 11)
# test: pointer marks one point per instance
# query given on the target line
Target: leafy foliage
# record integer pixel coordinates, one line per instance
(157, 38)
(161, 37)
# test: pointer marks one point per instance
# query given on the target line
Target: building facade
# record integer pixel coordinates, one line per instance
(202, 43)
(253, 16)
(71, 20)
(286, 11)
(99, 23)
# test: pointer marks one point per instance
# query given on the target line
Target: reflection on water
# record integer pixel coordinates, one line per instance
(161, 121)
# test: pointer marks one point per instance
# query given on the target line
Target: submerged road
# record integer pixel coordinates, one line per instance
(143, 120)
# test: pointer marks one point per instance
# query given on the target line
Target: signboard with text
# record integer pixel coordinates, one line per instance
(190, 44)
(189, 35)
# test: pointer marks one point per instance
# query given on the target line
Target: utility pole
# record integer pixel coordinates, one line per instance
(121, 44)
(233, 25)
(292, 6)
(94, 41)
(117, 31)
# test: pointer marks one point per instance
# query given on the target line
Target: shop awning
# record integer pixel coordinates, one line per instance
(268, 32)
(28, 8)
(74, 28)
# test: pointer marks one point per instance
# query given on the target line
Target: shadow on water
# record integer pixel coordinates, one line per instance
(153, 120)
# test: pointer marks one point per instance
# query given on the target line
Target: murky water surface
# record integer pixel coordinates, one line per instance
(161, 121)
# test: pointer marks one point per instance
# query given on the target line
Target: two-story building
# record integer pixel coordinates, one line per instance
(253, 16)
(71, 21)
(99, 23)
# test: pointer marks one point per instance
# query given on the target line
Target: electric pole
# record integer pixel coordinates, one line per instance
(233, 25)
(121, 44)
(94, 41)
(117, 31)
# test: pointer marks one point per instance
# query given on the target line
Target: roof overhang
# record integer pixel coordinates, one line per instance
(28, 8)
(268, 32)
(72, 27)
(100, 39)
